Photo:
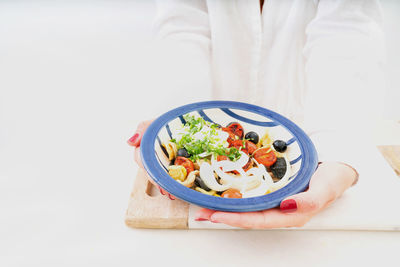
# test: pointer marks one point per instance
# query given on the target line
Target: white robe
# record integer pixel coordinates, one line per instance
(319, 63)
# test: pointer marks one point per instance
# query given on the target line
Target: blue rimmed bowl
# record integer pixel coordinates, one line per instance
(301, 151)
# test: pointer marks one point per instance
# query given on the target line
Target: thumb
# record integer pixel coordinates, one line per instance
(329, 181)
(307, 202)
(137, 136)
(319, 195)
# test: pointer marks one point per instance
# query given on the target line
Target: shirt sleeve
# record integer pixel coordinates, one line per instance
(183, 47)
(344, 57)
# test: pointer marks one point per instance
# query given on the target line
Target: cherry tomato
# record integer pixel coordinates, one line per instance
(237, 144)
(248, 148)
(185, 162)
(245, 167)
(221, 157)
(232, 136)
(232, 193)
(248, 165)
(265, 156)
(236, 128)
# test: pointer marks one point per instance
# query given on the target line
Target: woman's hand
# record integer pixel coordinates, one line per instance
(135, 142)
(327, 184)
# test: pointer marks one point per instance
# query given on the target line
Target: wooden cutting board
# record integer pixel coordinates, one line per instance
(149, 209)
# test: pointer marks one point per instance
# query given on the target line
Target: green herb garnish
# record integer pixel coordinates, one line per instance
(209, 143)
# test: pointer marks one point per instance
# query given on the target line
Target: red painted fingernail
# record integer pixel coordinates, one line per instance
(201, 218)
(161, 191)
(289, 205)
(133, 139)
(171, 197)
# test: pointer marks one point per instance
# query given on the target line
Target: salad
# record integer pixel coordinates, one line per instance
(226, 161)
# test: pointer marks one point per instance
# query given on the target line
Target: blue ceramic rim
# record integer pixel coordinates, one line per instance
(157, 172)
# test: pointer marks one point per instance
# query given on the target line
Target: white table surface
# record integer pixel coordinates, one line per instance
(70, 84)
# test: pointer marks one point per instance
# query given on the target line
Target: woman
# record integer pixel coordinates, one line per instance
(317, 62)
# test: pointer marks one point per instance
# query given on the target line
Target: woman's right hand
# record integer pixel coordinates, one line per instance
(134, 141)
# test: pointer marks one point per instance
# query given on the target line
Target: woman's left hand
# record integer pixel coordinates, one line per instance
(135, 141)
(328, 183)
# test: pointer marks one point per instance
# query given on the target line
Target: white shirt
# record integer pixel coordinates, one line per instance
(319, 63)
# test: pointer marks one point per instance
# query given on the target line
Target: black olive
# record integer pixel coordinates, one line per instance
(252, 137)
(280, 145)
(200, 183)
(278, 169)
(182, 152)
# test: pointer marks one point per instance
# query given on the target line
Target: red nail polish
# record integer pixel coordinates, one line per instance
(171, 197)
(200, 219)
(133, 139)
(288, 205)
(161, 191)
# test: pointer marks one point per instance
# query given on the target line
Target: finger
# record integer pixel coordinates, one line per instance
(267, 219)
(137, 137)
(335, 175)
(162, 191)
(311, 201)
(135, 140)
(203, 214)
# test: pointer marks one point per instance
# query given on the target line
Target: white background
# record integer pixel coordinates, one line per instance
(75, 79)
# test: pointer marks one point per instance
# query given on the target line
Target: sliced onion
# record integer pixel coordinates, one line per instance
(258, 191)
(225, 177)
(244, 158)
(228, 166)
(207, 175)
(266, 175)
(204, 154)
(253, 183)
(229, 177)
(242, 182)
